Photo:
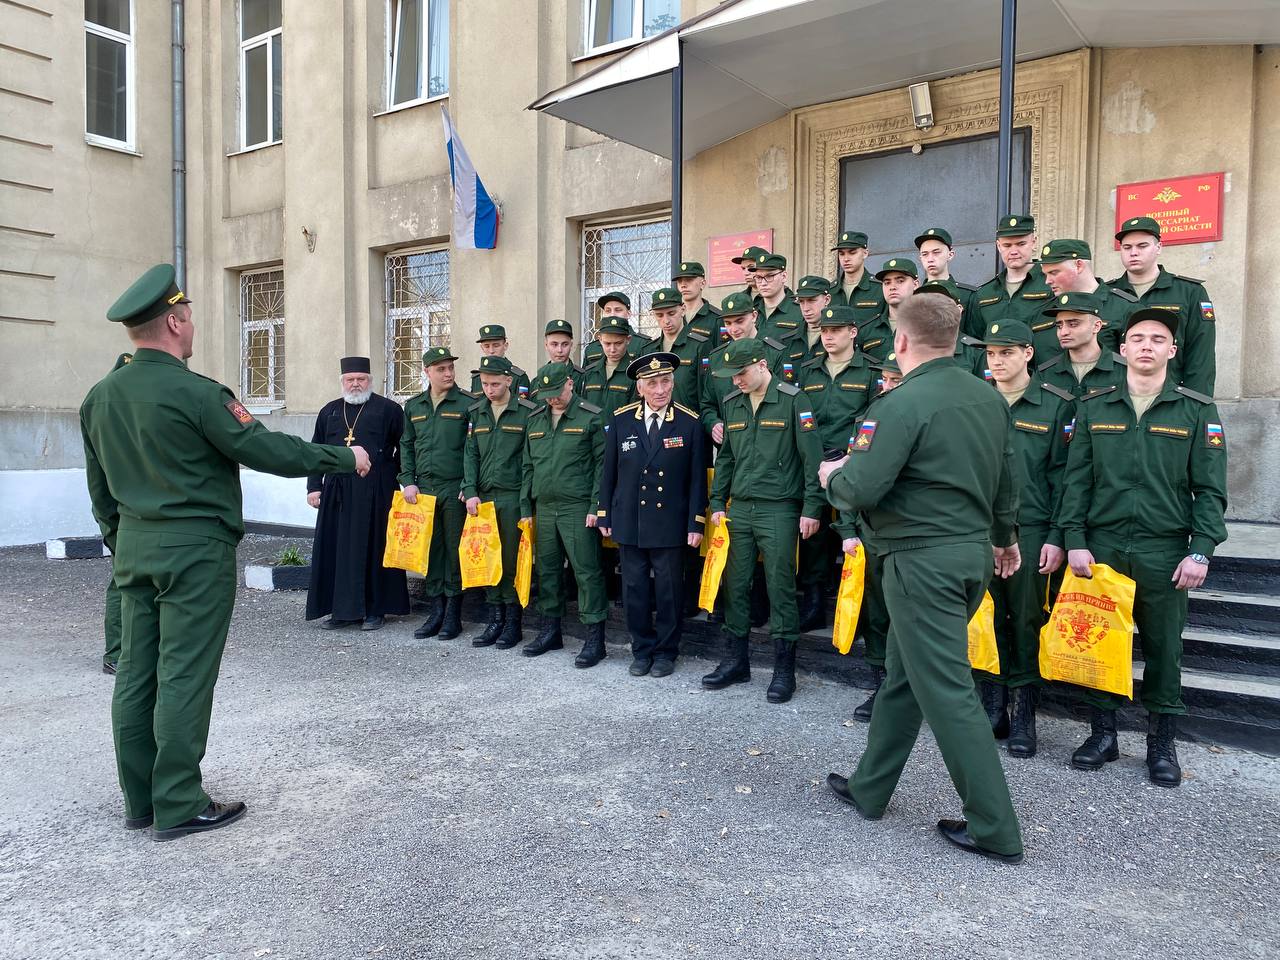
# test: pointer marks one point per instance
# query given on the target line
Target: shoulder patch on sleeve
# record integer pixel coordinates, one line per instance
(589, 407)
(699, 337)
(1100, 392)
(240, 412)
(1123, 294)
(788, 388)
(769, 341)
(1193, 394)
(682, 407)
(1051, 363)
(1056, 391)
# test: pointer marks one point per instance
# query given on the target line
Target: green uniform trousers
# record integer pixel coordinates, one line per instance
(507, 507)
(1159, 614)
(931, 593)
(873, 618)
(1019, 614)
(177, 592)
(444, 572)
(111, 623)
(772, 529)
(562, 531)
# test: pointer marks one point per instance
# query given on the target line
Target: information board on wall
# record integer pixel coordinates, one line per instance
(1188, 209)
(721, 270)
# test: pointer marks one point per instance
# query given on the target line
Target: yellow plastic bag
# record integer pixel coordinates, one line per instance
(983, 652)
(713, 565)
(853, 577)
(1088, 640)
(480, 550)
(524, 561)
(409, 527)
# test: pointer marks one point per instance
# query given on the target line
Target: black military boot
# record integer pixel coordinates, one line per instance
(863, 710)
(994, 698)
(1102, 745)
(812, 616)
(490, 634)
(1022, 725)
(435, 616)
(734, 668)
(1162, 755)
(452, 625)
(511, 627)
(593, 650)
(783, 684)
(550, 638)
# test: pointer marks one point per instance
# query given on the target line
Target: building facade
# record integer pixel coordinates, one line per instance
(318, 202)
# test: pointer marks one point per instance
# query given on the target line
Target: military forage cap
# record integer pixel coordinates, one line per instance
(933, 286)
(615, 296)
(1168, 317)
(813, 286)
(558, 326)
(551, 378)
(749, 256)
(690, 268)
(736, 356)
(898, 265)
(149, 295)
(613, 325)
(495, 365)
(1008, 333)
(436, 355)
(664, 298)
(1139, 224)
(934, 233)
(890, 363)
(492, 331)
(771, 261)
(1073, 302)
(838, 317)
(851, 240)
(1058, 251)
(736, 305)
(653, 365)
(1016, 226)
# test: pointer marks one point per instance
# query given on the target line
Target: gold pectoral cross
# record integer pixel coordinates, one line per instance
(350, 437)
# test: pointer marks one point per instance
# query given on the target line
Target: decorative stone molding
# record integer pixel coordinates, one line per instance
(1050, 98)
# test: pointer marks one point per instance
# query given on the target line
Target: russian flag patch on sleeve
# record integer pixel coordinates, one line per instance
(806, 420)
(861, 441)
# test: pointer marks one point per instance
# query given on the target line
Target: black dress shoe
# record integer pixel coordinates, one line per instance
(957, 831)
(108, 668)
(332, 624)
(373, 623)
(212, 817)
(840, 787)
(663, 668)
(639, 667)
(139, 823)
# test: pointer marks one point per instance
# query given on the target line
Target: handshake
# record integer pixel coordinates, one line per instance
(362, 461)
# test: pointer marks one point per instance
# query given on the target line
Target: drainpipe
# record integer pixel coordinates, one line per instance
(179, 145)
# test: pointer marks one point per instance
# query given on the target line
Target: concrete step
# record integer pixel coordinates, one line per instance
(1234, 612)
(1228, 652)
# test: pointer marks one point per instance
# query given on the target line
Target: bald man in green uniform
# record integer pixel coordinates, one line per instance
(932, 471)
(162, 449)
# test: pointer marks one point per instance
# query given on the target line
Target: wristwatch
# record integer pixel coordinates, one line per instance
(1199, 558)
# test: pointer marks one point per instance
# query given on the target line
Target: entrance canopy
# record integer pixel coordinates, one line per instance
(748, 62)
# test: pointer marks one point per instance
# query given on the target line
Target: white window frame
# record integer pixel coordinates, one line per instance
(245, 46)
(130, 80)
(393, 49)
(394, 315)
(637, 29)
(275, 345)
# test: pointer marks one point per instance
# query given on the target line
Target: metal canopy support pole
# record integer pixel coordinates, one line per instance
(677, 157)
(1004, 161)
(179, 107)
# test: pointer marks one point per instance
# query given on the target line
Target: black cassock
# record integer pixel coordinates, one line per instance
(347, 576)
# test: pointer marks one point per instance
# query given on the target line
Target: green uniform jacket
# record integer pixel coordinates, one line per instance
(875, 337)
(433, 443)
(967, 296)
(1195, 363)
(162, 444)
(932, 463)
(562, 464)
(592, 353)
(692, 347)
(716, 389)
(1032, 296)
(1161, 478)
(784, 321)
(706, 322)
(1042, 421)
(495, 449)
(519, 383)
(1110, 370)
(867, 298)
(772, 453)
(606, 392)
(837, 403)
(1116, 306)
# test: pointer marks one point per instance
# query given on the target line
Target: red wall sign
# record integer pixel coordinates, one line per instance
(721, 270)
(1188, 209)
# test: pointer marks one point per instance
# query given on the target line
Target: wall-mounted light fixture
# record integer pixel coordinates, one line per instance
(921, 105)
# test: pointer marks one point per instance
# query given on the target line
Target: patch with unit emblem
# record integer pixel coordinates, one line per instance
(789, 371)
(238, 410)
(1214, 437)
(1206, 310)
(806, 420)
(861, 441)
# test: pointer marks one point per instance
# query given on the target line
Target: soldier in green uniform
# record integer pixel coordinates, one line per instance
(1019, 290)
(1195, 362)
(111, 626)
(615, 304)
(1145, 493)
(837, 384)
(676, 336)
(768, 465)
(493, 469)
(969, 353)
(605, 383)
(699, 315)
(162, 449)
(1067, 266)
(813, 296)
(932, 472)
(1083, 365)
(563, 453)
(432, 448)
(937, 250)
(557, 337)
(739, 316)
(779, 315)
(898, 281)
(494, 343)
(1042, 417)
(748, 264)
(853, 286)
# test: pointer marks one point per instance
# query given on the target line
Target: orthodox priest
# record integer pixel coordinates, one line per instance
(348, 581)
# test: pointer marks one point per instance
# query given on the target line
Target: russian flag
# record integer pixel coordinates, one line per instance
(475, 217)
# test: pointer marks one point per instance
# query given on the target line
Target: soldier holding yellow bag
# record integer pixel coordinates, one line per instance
(1146, 488)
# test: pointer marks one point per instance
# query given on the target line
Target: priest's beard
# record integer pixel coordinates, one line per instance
(357, 397)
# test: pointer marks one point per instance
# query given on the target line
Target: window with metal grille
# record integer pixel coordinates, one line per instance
(417, 305)
(262, 336)
(634, 258)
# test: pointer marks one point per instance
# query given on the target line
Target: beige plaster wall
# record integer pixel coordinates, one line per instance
(1261, 361)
